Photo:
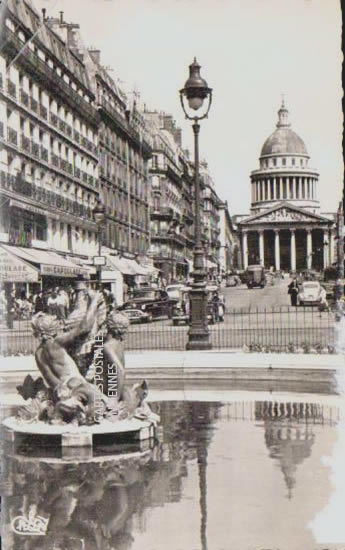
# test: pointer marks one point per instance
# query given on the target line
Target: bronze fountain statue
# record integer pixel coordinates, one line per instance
(82, 365)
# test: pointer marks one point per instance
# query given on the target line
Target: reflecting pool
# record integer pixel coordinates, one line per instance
(245, 474)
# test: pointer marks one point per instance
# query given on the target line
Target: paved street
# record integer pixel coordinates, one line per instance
(243, 297)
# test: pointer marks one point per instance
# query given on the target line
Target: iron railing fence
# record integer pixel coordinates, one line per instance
(272, 329)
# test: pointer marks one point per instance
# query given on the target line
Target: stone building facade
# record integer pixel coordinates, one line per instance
(172, 206)
(49, 156)
(285, 229)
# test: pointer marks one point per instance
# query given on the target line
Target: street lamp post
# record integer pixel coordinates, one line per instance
(99, 216)
(195, 91)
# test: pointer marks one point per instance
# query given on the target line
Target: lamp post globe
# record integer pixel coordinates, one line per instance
(195, 92)
(99, 217)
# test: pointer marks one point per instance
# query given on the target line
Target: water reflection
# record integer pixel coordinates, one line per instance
(207, 484)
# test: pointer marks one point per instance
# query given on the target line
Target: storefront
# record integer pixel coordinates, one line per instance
(50, 268)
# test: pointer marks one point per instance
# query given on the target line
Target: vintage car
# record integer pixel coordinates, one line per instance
(232, 280)
(310, 293)
(137, 315)
(255, 276)
(173, 290)
(181, 311)
(152, 301)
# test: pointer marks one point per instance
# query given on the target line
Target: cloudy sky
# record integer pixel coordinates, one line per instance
(251, 52)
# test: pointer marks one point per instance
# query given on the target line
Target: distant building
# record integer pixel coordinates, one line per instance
(285, 229)
(172, 229)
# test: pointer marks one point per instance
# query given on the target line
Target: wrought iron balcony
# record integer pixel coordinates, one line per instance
(12, 136)
(43, 111)
(34, 65)
(43, 196)
(44, 153)
(53, 119)
(11, 88)
(24, 97)
(33, 104)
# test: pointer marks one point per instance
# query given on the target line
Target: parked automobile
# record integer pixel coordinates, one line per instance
(255, 276)
(154, 302)
(138, 316)
(174, 290)
(181, 311)
(232, 280)
(310, 293)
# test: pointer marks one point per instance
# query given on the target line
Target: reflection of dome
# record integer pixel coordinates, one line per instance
(283, 140)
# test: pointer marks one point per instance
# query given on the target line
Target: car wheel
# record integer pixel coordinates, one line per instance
(301, 303)
(149, 319)
(175, 323)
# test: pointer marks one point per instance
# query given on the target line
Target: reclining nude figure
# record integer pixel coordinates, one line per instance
(73, 398)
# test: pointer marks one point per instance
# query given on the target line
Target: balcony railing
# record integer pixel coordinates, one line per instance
(11, 88)
(35, 149)
(53, 119)
(25, 143)
(55, 160)
(34, 104)
(12, 136)
(24, 97)
(43, 112)
(77, 172)
(62, 125)
(32, 62)
(44, 153)
(43, 196)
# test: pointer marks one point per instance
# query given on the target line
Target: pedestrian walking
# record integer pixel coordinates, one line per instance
(52, 304)
(293, 291)
(38, 303)
(61, 305)
(11, 307)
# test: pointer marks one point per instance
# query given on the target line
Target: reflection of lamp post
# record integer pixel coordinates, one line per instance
(195, 91)
(99, 215)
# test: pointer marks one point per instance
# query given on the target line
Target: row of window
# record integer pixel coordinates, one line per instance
(58, 48)
(278, 161)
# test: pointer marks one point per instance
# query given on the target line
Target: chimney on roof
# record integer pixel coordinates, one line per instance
(61, 17)
(44, 11)
(96, 55)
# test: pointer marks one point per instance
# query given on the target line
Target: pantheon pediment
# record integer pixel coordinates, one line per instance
(284, 213)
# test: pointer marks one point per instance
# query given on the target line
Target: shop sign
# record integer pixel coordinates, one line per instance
(62, 271)
(14, 270)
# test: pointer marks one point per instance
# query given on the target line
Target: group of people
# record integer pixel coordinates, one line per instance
(57, 301)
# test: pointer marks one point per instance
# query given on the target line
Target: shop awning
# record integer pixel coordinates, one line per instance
(16, 270)
(49, 263)
(119, 264)
(127, 266)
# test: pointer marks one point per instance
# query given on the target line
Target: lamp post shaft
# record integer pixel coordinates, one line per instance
(198, 334)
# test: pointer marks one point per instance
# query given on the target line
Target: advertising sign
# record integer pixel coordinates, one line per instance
(15, 270)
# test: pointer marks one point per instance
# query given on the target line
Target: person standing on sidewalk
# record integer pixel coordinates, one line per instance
(293, 291)
(11, 306)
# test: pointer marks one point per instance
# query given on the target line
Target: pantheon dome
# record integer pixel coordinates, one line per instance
(284, 172)
(283, 140)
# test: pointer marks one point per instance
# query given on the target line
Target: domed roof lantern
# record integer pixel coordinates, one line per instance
(283, 116)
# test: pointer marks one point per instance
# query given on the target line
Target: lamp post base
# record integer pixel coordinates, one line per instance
(198, 334)
(199, 341)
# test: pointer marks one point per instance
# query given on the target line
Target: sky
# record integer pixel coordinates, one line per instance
(251, 52)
